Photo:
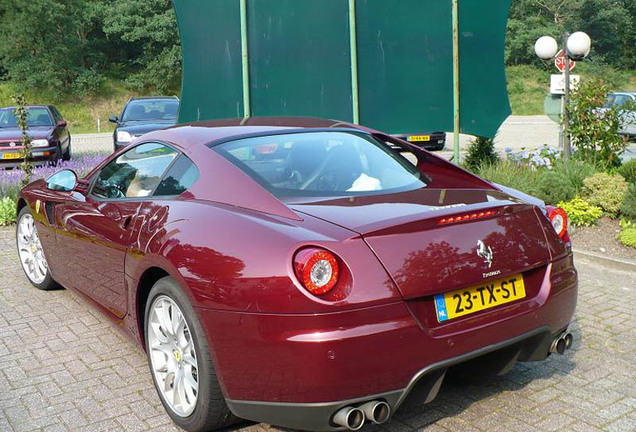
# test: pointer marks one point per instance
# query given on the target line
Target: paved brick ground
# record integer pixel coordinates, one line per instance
(64, 368)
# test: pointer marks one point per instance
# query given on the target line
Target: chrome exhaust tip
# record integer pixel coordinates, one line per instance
(377, 411)
(562, 343)
(569, 339)
(350, 418)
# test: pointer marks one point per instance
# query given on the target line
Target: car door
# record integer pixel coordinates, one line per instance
(97, 229)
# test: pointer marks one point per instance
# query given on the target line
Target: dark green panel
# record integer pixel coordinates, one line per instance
(212, 75)
(405, 65)
(300, 58)
(484, 96)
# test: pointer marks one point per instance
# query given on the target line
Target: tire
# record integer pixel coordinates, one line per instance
(68, 153)
(30, 248)
(207, 410)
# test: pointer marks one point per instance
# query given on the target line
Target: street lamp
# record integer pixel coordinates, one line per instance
(576, 46)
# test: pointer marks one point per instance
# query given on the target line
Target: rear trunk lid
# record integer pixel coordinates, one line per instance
(425, 249)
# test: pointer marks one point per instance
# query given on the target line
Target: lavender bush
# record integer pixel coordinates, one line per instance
(10, 179)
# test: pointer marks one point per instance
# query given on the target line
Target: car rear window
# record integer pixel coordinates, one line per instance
(322, 164)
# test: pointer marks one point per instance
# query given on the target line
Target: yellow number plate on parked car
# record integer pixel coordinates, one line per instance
(474, 299)
(420, 138)
(12, 156)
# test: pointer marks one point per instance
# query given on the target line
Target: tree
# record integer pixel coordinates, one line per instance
(147, 31)
(51, 45)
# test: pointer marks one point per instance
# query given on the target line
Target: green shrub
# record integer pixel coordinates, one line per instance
(606, 191)
(627, 237)
(595, 137)
(7, 211)
(580, 212)
(628, 209)
(628, 170)
(511, 174)
(555, 186)
(563, 182)
(481, 151)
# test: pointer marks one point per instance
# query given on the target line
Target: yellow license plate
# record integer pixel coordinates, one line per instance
(12, 156)
(474, 299)
(420, 138)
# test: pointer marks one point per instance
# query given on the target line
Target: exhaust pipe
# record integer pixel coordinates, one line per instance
(562, 343)
(350, 418)
(377, 411)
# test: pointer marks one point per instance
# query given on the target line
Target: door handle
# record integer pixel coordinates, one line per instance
(126, 222)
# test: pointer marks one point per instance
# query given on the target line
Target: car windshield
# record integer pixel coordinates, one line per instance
(617, 100)
(35, 117)
(322, 164)
(151, 109)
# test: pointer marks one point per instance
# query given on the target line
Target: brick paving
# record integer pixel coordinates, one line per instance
(65, 368)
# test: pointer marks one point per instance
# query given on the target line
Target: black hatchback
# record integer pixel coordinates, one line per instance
(142, 115)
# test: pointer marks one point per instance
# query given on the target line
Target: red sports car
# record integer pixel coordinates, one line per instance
(302, 272)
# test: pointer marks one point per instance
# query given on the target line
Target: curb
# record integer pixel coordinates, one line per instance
(614, 263)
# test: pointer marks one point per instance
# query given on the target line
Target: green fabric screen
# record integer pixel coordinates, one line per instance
(300, 62)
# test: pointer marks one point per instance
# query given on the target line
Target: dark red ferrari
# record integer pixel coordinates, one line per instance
(302, 272)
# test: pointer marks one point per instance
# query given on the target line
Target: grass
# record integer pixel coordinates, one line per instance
(527, 88)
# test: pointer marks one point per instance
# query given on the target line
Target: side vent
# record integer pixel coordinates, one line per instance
(49, 208)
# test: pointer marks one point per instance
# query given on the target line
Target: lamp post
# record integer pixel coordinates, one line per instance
(576, 46)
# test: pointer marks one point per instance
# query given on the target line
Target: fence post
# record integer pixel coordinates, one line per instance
(456, 89)
(353, 40)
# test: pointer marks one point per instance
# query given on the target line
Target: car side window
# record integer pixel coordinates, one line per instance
(134, 174)
(181, 175)
(57, 115)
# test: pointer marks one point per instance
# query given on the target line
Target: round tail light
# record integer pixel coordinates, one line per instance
(317, 270)
(559, 220)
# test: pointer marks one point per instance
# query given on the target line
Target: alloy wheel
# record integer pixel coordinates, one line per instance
(30, 250)
(172, 356)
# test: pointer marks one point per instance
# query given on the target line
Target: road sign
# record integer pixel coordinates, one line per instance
(560, 61)
(557, 83)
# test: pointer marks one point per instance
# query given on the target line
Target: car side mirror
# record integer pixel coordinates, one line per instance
(113, 119)
(63, 181)
(62, 123)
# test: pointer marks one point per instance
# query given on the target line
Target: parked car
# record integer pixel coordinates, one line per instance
(628, 114)
(47, 129)
(142, 115)
(299, 271)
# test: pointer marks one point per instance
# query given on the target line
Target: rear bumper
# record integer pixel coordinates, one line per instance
(298, 370)
(437, 140)
(422, 387)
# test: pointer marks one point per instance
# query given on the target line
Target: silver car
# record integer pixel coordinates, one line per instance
(628, 115)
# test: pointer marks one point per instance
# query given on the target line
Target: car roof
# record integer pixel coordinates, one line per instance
(153, 98)
(28, 106)
(206, 132)
(624, 93)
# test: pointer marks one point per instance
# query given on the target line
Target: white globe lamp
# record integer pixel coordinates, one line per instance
(579, 45)
(546, 47)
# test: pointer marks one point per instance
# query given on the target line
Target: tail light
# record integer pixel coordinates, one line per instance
(559, 220)
(317, 270)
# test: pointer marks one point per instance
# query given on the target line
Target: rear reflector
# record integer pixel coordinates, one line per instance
(467, 217)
